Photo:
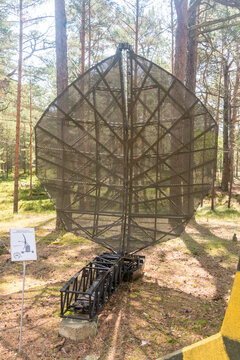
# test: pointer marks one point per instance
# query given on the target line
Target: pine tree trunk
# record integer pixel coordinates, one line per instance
(192, 49)
(181, 39)
(61, 46)
(83, 32)
(234, 118)
(18, 119)
(24, 160)
(7, 159)
(217, 120)
(191, 72)
(30, 139)
(179, 71)
(172, 34)
(237, 155)
(62, 79)
(89, 34)
(136, 26)
(225, 172)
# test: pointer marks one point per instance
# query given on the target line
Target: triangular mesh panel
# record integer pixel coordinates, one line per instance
(126, 153)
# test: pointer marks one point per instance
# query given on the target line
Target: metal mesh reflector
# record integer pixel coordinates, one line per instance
(126, 153)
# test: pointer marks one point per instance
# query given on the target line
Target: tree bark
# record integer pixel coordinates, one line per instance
(176, 207)
(18, 119)
(62, 79)
(217, 120)
(191, 72)
(234, 119)
(136, 26)
(30, 140)
(192, 47)
(83, 32)
(172, 34)
(61, 45)
(181, 39)
(225, 173)
(89, 34)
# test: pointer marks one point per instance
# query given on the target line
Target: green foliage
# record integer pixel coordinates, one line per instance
(111, 22)
(38, 204)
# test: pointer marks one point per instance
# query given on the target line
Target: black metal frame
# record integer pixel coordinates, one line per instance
(126, 153)
(84, 295)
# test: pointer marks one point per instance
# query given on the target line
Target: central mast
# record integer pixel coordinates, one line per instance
(124, 49)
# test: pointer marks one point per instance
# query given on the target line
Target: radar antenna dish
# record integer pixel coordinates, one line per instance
(126, 153)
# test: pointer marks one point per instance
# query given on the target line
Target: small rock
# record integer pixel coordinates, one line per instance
(91, 357)
(77, 330)
(145, 342)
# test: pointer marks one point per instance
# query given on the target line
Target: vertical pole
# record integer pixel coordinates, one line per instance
(124, 88)
(20, 338)
(30, 145)
(18, 118)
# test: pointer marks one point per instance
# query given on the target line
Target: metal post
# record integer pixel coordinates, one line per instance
(20, 339)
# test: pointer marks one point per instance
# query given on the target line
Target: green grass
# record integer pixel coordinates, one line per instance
(221, 211)
(201, 322)
(63, 238)
(37, 204)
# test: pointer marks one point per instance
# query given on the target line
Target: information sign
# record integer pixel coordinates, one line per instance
(23, 245)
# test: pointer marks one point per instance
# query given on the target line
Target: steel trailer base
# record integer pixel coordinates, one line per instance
(84, 295)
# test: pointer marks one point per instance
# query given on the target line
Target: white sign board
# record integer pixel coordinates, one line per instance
(23, 245)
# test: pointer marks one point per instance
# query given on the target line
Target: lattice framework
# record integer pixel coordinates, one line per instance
(126, 153)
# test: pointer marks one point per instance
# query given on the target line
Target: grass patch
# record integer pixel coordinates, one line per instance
(38, 203)
(201, 322)
(62, 238)
(171, 340)
(36, 206)
(220, 212)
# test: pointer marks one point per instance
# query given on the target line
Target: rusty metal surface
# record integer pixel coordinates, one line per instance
(126, 153)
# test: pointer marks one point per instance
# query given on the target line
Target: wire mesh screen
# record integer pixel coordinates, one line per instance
(126, 153)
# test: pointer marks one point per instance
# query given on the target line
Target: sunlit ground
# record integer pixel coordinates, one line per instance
(180, 300)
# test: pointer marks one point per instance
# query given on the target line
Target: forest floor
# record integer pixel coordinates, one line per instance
(181, 298)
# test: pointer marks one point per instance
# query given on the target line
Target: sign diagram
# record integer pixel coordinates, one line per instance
(23, 246)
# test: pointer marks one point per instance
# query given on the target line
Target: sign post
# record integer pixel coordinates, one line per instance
(23, 247)
(20, 337)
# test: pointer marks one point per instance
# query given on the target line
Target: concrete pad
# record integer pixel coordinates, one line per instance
(77, 330)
